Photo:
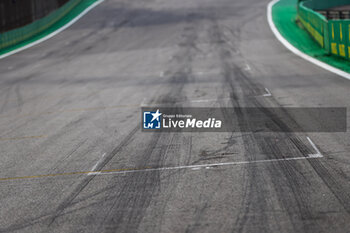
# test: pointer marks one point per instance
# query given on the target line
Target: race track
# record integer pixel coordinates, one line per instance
(71, 105)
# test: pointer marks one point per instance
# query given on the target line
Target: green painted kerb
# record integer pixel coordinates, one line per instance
(23, 36)
(284, 15)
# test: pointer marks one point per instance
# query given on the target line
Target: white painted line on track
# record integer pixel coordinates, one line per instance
(207, 166)
(95, 166)
(143, 104)
(247, 67)
(297, 51)
(196, 168)
(231, 45)
(53, 33)
(207, 100)
(268, 93)
(199, 73)
(202, 101)
(318, 153)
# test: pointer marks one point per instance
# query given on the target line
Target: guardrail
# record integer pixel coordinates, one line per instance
(18, 35)
(332, 35)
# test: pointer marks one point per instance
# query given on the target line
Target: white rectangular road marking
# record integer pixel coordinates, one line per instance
(208, 166)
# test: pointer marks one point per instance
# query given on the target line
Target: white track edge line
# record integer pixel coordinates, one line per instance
(297, 51)
(70, 23)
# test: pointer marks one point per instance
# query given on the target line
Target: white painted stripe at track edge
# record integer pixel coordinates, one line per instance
(297, 51)
(70, 23)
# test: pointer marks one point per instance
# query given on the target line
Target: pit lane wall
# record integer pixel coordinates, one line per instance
(23, 24)
(332, 35)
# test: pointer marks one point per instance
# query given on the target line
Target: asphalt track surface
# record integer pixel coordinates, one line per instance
(72, 104)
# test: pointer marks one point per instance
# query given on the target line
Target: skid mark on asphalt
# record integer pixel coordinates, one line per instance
(72, 110)
(41, 97)
(69, 174)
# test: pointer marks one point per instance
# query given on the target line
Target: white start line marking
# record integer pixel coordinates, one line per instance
(317, 155)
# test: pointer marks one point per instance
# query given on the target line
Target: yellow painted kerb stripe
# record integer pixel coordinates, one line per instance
(341, 32)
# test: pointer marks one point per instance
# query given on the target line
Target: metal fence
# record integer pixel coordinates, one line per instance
(331, 34)
(314, 23)
(17, 13)
(36, 23)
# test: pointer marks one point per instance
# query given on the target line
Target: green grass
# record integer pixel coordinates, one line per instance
(284, 14)
(63, 21)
